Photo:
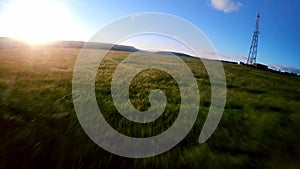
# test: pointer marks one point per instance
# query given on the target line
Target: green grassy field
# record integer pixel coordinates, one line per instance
(39, 129)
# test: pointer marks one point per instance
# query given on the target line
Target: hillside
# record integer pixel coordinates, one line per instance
(10, 43)
(39, 127)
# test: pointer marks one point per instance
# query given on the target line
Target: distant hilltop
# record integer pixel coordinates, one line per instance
(10, 43)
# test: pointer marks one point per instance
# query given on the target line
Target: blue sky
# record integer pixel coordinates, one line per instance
(227, 23)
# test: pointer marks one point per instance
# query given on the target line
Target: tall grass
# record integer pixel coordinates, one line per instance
(39, 127)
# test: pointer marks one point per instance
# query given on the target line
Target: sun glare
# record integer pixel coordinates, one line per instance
(36, 21)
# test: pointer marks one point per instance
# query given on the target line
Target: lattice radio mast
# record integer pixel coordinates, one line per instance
(253, 49)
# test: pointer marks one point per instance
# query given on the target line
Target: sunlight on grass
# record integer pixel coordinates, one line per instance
(259, 127)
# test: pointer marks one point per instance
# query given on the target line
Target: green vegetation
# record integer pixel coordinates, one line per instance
(39, 129)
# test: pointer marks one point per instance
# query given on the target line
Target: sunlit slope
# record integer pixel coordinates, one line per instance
(39, 128)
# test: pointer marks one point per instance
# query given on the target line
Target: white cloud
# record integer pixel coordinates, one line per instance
(226, 5)
(285, 69)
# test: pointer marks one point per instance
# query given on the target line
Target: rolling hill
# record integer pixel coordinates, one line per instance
(39, 128)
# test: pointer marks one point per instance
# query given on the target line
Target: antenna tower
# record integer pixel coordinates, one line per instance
(253, 48)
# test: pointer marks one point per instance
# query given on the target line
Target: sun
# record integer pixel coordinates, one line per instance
(36, 21)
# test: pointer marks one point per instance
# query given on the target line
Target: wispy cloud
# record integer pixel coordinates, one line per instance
(226, 5)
